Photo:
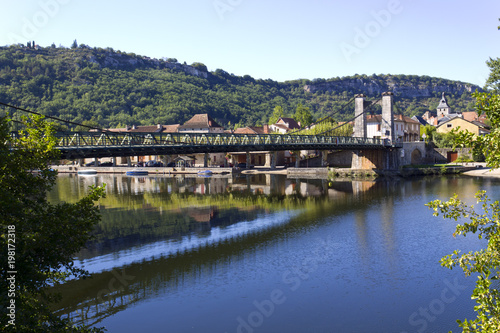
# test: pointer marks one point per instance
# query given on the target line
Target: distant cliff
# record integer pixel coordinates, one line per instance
(404, 86)
(118, 60)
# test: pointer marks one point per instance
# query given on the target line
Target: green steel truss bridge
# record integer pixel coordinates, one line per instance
(75, 145)
(98, 143)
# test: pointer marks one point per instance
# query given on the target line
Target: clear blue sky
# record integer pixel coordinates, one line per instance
(276, 39)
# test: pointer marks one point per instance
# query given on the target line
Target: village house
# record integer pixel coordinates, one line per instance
(199, 123)
(257, 158)
(476, 127)
(203, 123)
(139, 129)
(284, 125)
(406, 129)
(445, 120)
(473, 116)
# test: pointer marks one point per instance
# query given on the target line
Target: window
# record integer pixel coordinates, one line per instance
(449, 125)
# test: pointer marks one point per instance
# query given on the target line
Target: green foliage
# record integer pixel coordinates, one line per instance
(486, 223)
(485, 263)
(493, 80)
(278, 113)
(429, 132)
(200, 66)
(444, 140)
(303, 116)
(116, 89)
(462, 139)
(331, 127)
(477, 154)
(46, 235)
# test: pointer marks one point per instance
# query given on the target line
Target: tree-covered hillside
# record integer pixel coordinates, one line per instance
(112, 89)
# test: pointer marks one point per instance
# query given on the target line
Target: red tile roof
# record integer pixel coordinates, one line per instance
(252, 130)
(292, 124)
(200, 121)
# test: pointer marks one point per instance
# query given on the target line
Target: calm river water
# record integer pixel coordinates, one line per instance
(270, 254)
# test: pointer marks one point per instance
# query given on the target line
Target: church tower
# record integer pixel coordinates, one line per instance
(443, 108)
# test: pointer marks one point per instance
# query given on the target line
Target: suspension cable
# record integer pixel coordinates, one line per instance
(364, 111)
(325, 118)
(53, 118)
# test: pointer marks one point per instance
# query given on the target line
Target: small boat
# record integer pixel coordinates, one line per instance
(205, 172)
(138, 172)
(87, 172)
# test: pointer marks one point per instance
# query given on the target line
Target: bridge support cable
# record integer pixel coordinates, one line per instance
(330, 131)
(325, 118)
(52, 117)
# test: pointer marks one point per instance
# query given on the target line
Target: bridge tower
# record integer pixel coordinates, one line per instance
(385, 159)
(387, 126)
(360, 116)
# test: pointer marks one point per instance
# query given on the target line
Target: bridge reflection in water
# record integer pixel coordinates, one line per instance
(190, 233)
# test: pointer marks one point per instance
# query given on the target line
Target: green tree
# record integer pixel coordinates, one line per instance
(88, 124)
(74, 45)
(303, 116)
(200, 66)
(429, 132)
(485, 223)
(278, 112)
(41, 237)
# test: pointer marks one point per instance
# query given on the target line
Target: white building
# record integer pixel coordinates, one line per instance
(203, 123)
(405, 128)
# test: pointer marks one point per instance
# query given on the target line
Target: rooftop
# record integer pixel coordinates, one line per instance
(202, 120)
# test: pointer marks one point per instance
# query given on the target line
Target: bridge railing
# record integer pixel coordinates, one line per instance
(105, 139)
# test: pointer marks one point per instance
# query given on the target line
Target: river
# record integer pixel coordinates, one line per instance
(269, 254)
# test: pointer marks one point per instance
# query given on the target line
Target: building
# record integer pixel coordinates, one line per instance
(430, 118)
(473, 116)
(252, 130)
(443, 108)
(158, 128)
(476, 127)
(284, 125)
(257, 158)
(406, 129)
(201, 123)
(443, 113)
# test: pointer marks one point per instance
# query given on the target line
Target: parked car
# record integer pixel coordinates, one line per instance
(106, 164)
(156, 164)
(171, 164)
(91, 164)
(139, 164)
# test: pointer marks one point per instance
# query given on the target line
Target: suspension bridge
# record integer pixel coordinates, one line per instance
(98, 143)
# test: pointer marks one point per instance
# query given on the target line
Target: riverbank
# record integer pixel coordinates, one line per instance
(150, 170)
(484, 172)
(469, 169)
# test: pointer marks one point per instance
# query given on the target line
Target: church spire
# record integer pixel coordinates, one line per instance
(443, 108)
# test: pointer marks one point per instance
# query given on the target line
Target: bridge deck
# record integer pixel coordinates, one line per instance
(75, 145)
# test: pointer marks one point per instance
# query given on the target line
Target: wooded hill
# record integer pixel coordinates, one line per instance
(111, 88)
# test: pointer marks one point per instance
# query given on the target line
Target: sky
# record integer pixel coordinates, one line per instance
(276, 39)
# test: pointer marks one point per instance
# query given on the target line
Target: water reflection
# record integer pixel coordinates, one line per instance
(178, 240)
